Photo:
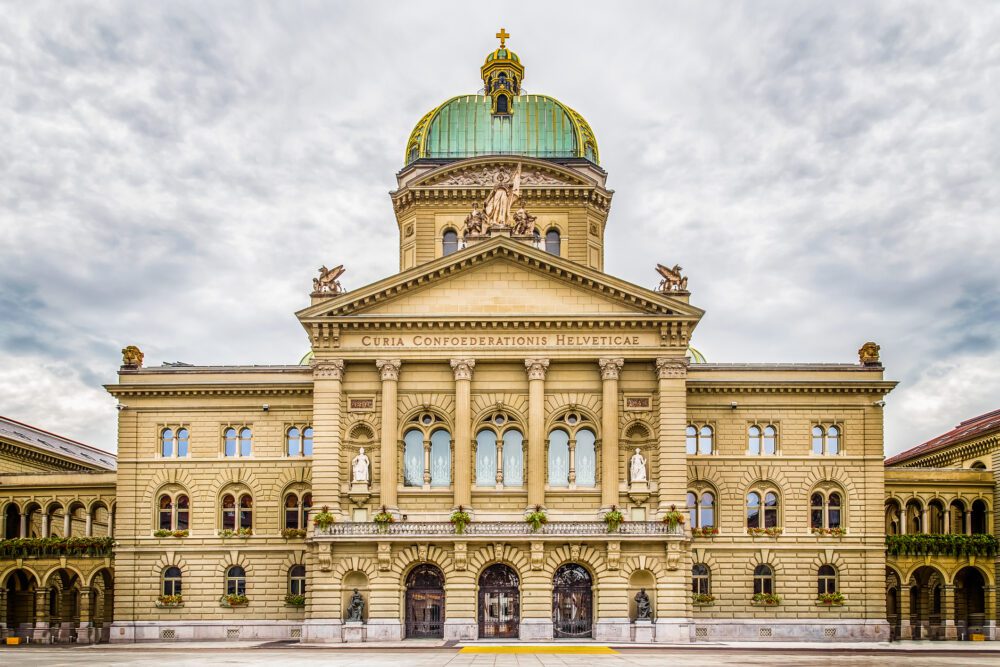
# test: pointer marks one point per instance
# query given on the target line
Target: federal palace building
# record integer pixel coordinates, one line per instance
(500, 440)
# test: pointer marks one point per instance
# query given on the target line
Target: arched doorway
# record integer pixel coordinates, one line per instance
(892, 603)
(499, 602)
(926, 592)
(970, 602)
(572, 602)
(425, 602)
(21, 587)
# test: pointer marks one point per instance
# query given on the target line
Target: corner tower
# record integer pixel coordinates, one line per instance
(502, 162)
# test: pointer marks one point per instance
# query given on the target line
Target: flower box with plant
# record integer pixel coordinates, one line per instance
(832, 532)
(830, 599)
(26, 547)
(673, 518)
(383, 519)
(765, 532)
(168, 601)
(460, 519)
(233, 600)
(613, 519)
(702, 599)
(324, 518)
(293, 533)
(240, 532)
(295, 600)
(765, 599)
(536, 518)
(705, 531)
(163, 532)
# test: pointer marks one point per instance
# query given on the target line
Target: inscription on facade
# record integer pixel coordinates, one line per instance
(494, 341)
(363, 404)
(637, 403)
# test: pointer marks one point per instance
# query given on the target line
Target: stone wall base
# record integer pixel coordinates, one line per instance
(613, 630)
(786, 629)
(673, 631)
(321, 631)
(460, 628)
(384, 630)
(536, 629)
(123, 632)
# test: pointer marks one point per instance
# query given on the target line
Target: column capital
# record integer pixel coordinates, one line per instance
(536, 368)
(671, 367)
(463, 368)
(329, 368)
(610, 367)
(388, 368)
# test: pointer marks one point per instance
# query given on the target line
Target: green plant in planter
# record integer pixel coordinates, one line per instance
(324, 518)
(832, 599)
(295, 600)
(181, 533)
(383, 519)
(834, 532)
(613, 518)
(921, 544)
(536, 518)
(702, 598)
(170, 600)
(293, 533)
(766, 599)
(705, 531)
(460, 519)
(162, 532)
(239, 532)
(234, 600)
(673, 518)
(768, 532)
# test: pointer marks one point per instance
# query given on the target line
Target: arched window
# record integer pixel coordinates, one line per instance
(770, 509)
(978, 517)
(513, 458)
(558, 458)
(237, 512)
(691, 440)
(753, 440)
(173, 512)
(172, 581)
(935, 514)
(978, 465)
(705, 440)
(293, 442)
(825, 440)
(236, 581)
(770, 445)
(229, 448)
(174, 443)
(246, 512)
(440, 458)
(307, 441)
(182, 442)
(486, 458)
(293, 512)
(707, 509)
(167, 439)
(586, 458)
(827, 579)
(763, 580)
(246, 442)
(762, 514)
(914, 516)
(825, 511)
(699, 439)
(762, 440)
(183, 512)
(228, 512)
(701, 579)
(833, 506)
(553, 244)
(166, 513)
(753, 510)
(297, 580)
(449, 242)
(413, 458)
(692, 508)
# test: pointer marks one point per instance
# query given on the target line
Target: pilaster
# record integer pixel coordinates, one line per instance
(462, 369)
(671, 373)
(536, 369)
(610, 370)
(328, 376)
(389, 374)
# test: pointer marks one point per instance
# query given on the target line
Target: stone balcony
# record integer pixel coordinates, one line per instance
(631, 531)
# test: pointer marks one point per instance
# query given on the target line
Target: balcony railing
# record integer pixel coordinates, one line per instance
(501, 528)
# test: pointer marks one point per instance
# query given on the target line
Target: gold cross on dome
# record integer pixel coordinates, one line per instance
(502, 36)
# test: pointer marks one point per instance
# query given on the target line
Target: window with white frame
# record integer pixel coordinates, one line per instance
(237, 511)
(825, 510)
(173, 511)
(427, 447)
(826, 440)
(237, 442)
(762, 440)
(701, 509)
(762, 508)
(699, 439)
(297, 510)
(174, 442)
(572, 456)
(299, 441)
(499, 451)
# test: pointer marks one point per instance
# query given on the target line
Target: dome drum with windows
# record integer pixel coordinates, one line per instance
(502, 120)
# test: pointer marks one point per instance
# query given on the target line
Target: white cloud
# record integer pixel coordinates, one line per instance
(172, 175)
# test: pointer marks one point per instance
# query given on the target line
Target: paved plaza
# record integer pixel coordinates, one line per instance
(432, 654)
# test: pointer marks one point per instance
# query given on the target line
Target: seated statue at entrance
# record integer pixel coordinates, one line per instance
(356, 609)
(643, 609)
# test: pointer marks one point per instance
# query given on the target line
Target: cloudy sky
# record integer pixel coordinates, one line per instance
(171, 175)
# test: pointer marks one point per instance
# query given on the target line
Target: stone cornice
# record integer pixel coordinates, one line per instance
(787, 387)
(43, 458)
(228, 389)
(966, 450)
(463, 197)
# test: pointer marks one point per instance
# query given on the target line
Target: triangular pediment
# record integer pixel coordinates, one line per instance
(502, 278)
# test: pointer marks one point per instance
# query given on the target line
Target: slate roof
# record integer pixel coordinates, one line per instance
(56, 445)
(967, 430)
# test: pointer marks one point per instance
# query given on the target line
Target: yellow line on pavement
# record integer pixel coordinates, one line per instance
(575, 650)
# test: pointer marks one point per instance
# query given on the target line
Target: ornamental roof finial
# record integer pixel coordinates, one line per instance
(502, 36)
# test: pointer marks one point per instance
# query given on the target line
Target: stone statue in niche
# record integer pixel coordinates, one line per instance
(359, 467)
(637, 467)
(643, 608)
(327, 282)
(672, 281)
(356, 609)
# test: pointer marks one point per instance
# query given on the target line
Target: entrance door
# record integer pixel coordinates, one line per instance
(499, 603)
(425, 603)
(572, 602)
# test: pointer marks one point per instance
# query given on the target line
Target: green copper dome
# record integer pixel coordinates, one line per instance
(537, 126)
(502, 54)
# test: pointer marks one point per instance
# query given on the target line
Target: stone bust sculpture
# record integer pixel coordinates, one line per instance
(359, 467)
(637, 467)
(356, 609)
(643, 609)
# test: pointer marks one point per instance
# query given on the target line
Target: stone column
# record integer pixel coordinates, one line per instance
(905, 631)
(672, 393)
(67, 522)
(328, 377)
(610, 369)
(45, 524)
(968, 522)
(536, 430)
(89, 525)
(40, 634)
(463, 430)
(990, 612)
(389, 372)
(925, 520)
(947, 522)
(84, 633)
(24, 525)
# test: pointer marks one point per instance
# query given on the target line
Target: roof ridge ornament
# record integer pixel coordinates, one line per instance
(502, 36)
